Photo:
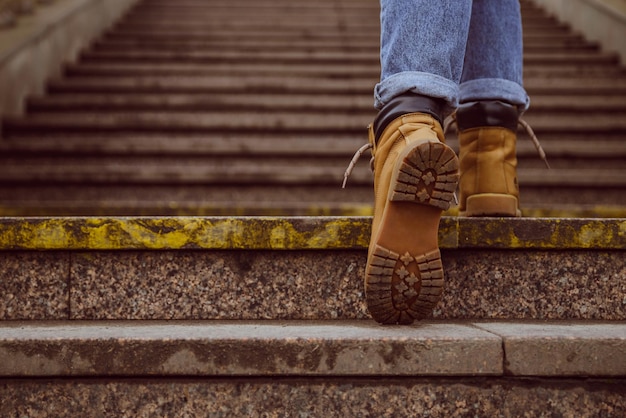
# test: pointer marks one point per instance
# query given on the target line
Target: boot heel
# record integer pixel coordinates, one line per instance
(402, 287)
(492, 204)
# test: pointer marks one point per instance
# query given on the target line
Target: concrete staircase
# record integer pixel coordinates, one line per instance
(254, 108)
(228, 108)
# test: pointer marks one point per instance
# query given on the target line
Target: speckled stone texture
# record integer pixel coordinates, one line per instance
(218, 285)
(314, 397)
(534, 284)
(34, 285)
(240, 284)
(327, 285)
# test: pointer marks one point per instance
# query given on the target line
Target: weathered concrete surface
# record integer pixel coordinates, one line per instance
(335, 348)
(323, 397)
(242, 349)
(562, 349)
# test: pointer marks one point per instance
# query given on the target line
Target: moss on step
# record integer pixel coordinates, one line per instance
(296, 233)
(543, 233)
(182, 233)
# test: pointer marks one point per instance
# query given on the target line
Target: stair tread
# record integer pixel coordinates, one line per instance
(330, 348)
(270, 171)
(259, 121)
(298, 82)
(88, 205)
(269, 144)
(277, 101)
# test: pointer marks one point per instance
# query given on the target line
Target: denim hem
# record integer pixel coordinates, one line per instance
(494, 89)
(426, 84)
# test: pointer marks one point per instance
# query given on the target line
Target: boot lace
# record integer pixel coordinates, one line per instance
(353, 162)
(450, 120)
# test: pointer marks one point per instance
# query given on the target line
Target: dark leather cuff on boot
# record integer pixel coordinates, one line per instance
(487, 113)
(405, 104)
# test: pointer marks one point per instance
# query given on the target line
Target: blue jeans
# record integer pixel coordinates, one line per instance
(456, 50)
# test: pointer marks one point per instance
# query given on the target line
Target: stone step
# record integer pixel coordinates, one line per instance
(269, 145)
(345, 70)
(603, 178)
(94, 202)
(301, 84)
(314, 396)
(562, 39)
(76, 102)
(235, 268)
(294, 348)
(293, 121)
(342, 368)
(300, 171)
(300, 56)
(296, 22)
(368, 69)
(265, 200)
(135, 40)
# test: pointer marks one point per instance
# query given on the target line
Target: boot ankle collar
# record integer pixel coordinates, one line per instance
(405, 104)
(487, 113)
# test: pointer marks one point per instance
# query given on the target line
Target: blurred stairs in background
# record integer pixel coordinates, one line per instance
(222, 108)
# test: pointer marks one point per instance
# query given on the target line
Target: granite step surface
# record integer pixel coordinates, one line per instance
(237, 268)
(249, 108)
(314, 396)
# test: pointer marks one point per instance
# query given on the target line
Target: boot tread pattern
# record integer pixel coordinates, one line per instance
(428, 175)
(403, 288)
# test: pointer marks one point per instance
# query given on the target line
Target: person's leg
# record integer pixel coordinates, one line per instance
(422, 49)
(491, 99)
(415, 173)
(493, 67)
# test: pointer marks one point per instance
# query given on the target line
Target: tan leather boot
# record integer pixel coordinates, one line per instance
(415, 176)
(488, 163)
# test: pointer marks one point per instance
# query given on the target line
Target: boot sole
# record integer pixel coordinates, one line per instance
(404, 278)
